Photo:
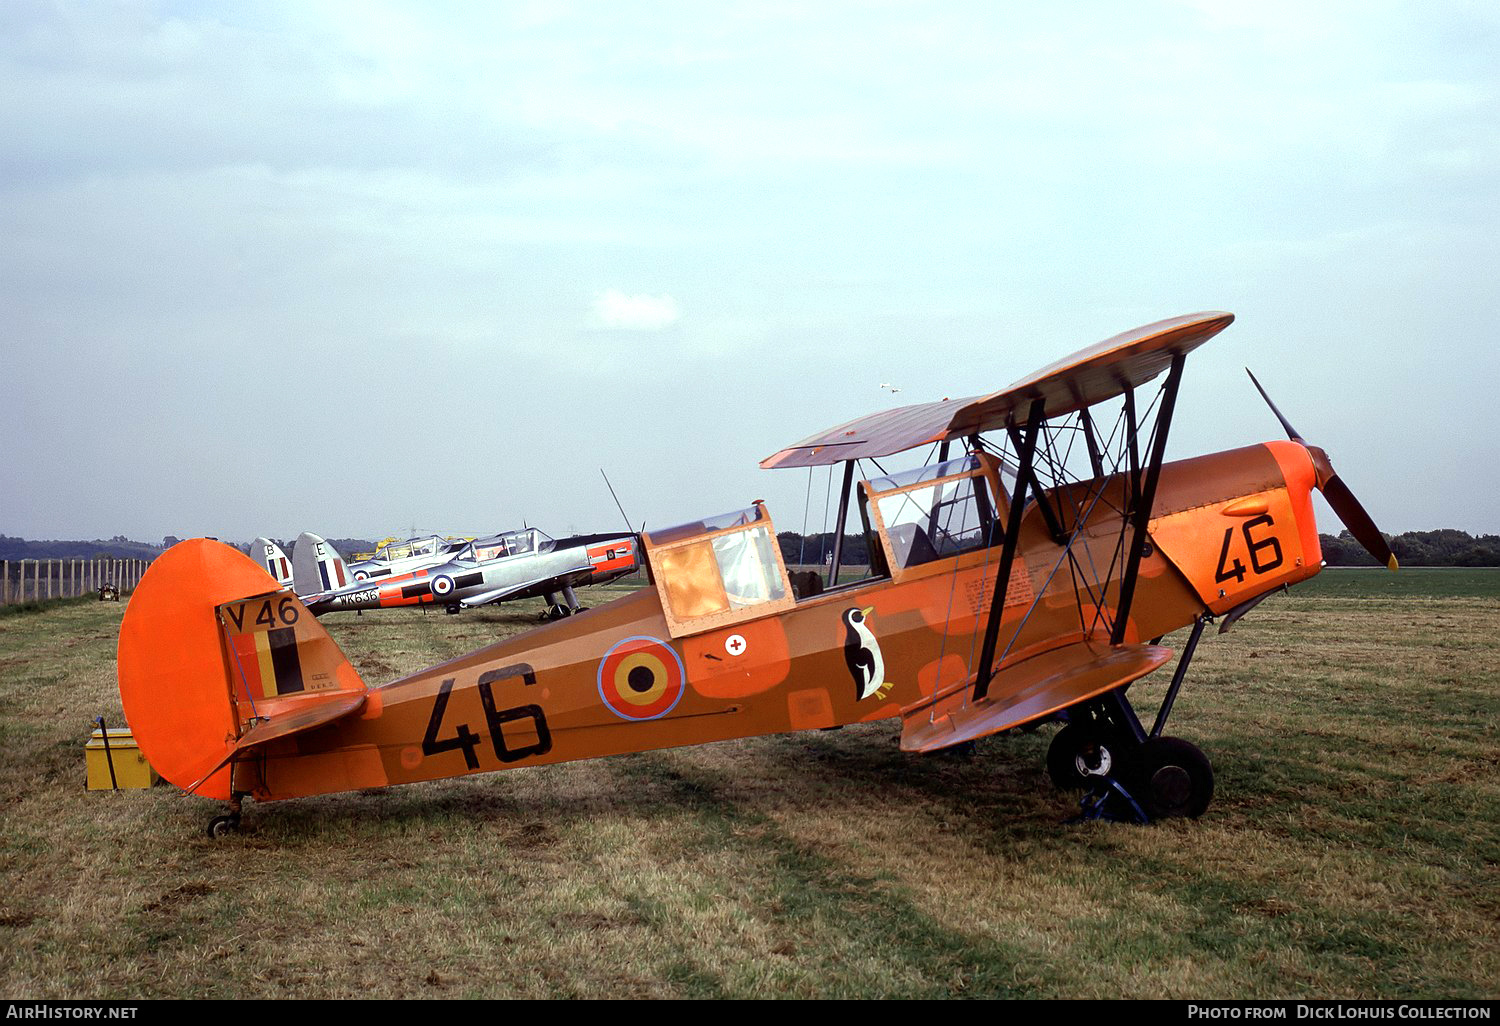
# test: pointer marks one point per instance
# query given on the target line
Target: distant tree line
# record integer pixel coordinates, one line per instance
(816, 549)
(1418, 548)
(1414, 548)
(118, 547)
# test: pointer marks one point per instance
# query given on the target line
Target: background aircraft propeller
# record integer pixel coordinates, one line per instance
(1336, 492)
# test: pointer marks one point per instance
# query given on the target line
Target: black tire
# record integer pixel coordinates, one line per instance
(1172, 778)
(223, 826)
(1076, 743)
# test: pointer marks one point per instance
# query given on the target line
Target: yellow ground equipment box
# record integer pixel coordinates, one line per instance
(130, 767)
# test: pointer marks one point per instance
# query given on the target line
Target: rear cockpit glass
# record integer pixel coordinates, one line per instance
(718, 570)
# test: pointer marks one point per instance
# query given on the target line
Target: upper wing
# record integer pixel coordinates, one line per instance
(1025, 691)
(1092, 375)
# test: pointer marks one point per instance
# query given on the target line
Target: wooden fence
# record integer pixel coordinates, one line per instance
(27, 580)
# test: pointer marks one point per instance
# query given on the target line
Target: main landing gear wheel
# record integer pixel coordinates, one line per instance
(223, 826)
(1080, 757)
(556, 611)
(1172, 778)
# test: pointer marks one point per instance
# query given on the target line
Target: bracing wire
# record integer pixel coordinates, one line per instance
(806, 508)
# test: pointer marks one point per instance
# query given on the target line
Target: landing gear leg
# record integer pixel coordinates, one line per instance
(1129, 773)
(223, 826)
(557, 610)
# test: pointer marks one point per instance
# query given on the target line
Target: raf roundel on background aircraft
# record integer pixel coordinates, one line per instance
(1026, 573)
(502, 568)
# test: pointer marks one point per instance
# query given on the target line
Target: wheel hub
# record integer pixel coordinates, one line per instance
(1171, 787)
(1094, 762)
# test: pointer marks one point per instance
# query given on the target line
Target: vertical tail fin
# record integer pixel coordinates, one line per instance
(269, 554)
(317, 566)
(213, 658)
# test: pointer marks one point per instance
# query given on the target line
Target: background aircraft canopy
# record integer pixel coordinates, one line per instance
(508, 543)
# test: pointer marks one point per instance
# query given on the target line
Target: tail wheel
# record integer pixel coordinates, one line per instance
(1080, 755)
(1172, 778)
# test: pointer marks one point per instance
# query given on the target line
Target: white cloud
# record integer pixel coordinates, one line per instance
(635, 313)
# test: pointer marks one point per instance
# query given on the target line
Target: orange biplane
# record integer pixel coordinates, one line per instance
(1027, 572)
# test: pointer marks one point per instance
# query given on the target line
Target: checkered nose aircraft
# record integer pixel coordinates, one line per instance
(1026, 570)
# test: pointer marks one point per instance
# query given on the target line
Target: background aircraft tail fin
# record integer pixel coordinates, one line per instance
(317, 566)
(269, 554)
(214, 657)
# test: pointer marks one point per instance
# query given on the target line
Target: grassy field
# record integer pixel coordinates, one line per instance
(1353, 849)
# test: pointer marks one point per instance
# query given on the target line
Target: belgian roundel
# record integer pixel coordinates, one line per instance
(640, 678)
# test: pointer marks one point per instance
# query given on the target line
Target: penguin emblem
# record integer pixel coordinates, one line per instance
(862, 654)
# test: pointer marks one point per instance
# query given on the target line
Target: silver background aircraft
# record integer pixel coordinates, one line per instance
(513, 565)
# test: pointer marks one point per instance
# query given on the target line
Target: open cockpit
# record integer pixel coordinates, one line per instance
(727, 569)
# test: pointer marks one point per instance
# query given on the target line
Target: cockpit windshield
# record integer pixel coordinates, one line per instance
(934, 512)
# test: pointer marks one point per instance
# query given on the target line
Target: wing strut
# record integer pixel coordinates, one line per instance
(1096, 460)
(1054, 526)
(1145, 495)
(1025, 452)
(838, 529)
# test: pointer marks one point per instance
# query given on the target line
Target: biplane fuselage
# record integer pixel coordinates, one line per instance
(1003, 590)
(554, 694)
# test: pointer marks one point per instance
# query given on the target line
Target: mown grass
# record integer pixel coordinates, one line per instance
(1352, 850)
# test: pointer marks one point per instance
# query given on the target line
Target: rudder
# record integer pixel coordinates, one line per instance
(274, 560)
(317, 567)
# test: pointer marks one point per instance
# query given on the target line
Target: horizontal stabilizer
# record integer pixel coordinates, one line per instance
(1025, 691)
(302, 713)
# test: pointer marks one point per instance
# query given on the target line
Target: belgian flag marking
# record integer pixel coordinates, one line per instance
(264, 645)
(640, 678)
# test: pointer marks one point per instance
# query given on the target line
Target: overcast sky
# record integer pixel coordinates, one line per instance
(357, 267)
